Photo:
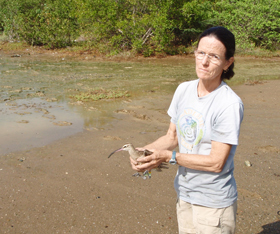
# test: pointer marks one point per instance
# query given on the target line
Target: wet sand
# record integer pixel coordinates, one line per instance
(70, 186)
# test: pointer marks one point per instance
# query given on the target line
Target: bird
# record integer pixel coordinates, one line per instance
(135, 154)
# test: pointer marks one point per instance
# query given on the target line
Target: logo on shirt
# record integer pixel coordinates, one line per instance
(190, 125)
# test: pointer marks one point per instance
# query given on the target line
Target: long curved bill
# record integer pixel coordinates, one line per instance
(115, 152)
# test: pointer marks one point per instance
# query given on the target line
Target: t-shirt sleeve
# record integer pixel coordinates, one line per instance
(226, 127)
(172, 111)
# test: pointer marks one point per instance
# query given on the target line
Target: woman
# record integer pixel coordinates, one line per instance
(205, 122)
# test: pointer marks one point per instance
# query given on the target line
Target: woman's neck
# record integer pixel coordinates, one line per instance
(204, 87)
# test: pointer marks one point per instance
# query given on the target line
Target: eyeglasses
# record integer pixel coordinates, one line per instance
(214, 58)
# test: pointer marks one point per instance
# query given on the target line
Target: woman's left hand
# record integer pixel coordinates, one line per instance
(152, 161)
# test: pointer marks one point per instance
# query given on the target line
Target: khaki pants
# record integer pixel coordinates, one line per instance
(194, 219)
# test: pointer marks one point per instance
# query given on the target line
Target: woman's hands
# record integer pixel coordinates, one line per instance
(152, 161)
(163, 154)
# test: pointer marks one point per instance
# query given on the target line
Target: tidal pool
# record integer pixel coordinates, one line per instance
(35, 91)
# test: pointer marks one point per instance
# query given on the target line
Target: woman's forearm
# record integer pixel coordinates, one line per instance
(213, 162)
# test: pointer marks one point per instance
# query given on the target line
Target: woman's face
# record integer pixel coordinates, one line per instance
(210, 59)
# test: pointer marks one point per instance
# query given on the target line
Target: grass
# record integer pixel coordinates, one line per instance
(257, 52)
(99, 94)
(115, 74)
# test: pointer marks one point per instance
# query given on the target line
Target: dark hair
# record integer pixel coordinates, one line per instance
(227, 38)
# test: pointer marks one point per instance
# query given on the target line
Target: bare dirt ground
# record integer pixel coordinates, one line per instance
(70, 186)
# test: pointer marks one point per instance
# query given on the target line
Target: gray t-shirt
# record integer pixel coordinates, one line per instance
(199, 120)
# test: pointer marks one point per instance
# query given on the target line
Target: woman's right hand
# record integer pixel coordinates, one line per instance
(134, 164)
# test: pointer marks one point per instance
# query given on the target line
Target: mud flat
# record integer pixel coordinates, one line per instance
(70, 186)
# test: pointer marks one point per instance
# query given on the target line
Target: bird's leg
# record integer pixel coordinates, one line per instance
(136, 174)
(144, 177)
(147, 173)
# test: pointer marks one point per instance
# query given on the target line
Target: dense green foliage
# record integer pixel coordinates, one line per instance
(254, 22)
(40, 22)
(143, 26)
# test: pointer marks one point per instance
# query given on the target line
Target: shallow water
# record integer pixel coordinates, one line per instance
(27, 123)
(35, 103)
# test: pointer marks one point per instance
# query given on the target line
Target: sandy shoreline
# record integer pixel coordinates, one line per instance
(70, 186)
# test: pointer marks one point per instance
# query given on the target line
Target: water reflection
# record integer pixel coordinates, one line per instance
(34, 122)
(28, 123)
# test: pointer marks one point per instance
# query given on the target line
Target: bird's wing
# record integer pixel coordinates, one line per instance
(147, 152)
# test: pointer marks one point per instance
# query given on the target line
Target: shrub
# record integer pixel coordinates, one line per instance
(40, 22)
(149, 27)
(254, 22)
